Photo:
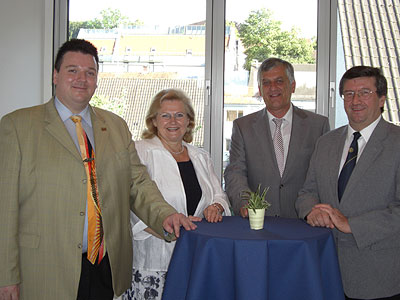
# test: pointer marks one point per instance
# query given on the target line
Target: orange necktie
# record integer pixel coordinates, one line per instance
(96, 245)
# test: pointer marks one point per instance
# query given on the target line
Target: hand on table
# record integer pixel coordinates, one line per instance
(213, 213)
(10, 292)
(194, 219)
(173, 223)
(244, 212)
(336, 217)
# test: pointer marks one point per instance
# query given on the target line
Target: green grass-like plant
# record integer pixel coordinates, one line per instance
(256, 200)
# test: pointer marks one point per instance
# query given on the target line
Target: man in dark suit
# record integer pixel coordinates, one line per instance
(44, 192)
(273, 146)
(353, 186)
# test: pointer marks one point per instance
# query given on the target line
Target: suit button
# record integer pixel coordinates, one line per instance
(82, 213)
(281, 186)
(80, 246)
(84, 181)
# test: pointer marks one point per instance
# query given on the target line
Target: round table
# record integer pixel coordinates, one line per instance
(288, 259)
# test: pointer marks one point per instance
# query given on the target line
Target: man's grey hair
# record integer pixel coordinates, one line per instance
(272, 62)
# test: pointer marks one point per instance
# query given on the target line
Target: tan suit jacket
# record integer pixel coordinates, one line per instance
(42, 201)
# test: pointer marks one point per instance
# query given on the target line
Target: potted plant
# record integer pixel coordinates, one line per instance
(256, 206)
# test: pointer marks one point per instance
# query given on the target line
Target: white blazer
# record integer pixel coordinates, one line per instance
(154, 254)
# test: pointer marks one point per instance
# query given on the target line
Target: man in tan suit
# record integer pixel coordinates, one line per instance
(43, 188)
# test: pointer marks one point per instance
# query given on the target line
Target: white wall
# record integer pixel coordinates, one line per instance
(25, 53)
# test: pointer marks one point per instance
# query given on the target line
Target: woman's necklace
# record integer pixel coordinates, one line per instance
(179, 152)
(169, 147)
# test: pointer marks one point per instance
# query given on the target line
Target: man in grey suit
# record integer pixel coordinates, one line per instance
(364, 208)
(44, 193)
(258, 138)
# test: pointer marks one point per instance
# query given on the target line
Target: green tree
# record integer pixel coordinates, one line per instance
(109, 19)
(112, 18)
(262, 37)
(75, 26)
(117, 106)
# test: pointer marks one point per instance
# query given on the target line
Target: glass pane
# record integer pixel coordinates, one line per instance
(368, 34)
(143, 50)
(259, 29)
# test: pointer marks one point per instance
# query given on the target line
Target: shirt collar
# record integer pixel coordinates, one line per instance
(287, 117)
(366, 132)
(65, 113)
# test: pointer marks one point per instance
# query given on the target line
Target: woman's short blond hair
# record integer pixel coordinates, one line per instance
(155, 104)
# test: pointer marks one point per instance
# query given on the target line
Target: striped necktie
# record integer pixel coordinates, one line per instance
(96, 247)
(278, 145)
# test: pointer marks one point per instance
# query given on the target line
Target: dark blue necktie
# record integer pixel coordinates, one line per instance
(349, 165)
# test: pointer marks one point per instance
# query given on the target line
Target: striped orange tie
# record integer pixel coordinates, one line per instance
(96, 245)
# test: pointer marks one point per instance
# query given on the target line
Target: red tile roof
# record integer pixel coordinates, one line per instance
(137, 94)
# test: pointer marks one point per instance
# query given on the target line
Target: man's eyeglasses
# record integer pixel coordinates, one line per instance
(363, 94)
(177, 116)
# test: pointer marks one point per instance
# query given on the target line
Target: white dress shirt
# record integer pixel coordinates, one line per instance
(362, 141)
(286, 130)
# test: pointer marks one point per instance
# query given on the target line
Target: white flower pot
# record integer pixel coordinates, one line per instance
(256, 218)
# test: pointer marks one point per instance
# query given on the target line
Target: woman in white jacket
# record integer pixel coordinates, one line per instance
(185, 176)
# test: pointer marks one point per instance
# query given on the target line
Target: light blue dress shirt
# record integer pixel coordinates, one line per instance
(65, 115)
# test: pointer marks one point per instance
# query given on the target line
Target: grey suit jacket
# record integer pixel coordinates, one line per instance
(252, 159)
(43, 200)
(369, 257)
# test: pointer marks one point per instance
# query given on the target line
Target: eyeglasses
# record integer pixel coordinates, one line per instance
(363, 94)
(177, 116)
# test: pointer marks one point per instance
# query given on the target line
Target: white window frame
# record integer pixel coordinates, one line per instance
(214, 66)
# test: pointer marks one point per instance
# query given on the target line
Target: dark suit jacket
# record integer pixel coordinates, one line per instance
(252, 159)
(43, 200)
(369, 257)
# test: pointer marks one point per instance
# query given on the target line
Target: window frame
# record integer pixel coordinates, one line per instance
(214, 67)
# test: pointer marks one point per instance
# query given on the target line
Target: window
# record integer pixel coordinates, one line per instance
(245, 24)
(368, 35)
(144, 51)
(214, 59)
(228, 144)
(231, 115)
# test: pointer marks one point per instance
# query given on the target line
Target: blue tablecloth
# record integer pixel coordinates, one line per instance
(288, 259)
